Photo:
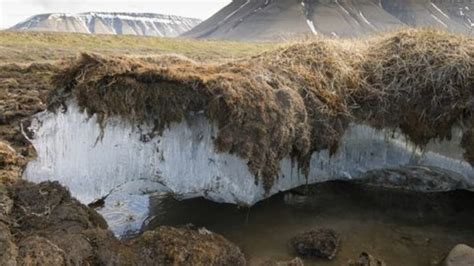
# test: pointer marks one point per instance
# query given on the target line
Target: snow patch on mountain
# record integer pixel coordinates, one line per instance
(283, 19)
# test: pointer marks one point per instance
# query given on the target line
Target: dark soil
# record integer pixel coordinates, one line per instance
(41, 224)
(318, 243)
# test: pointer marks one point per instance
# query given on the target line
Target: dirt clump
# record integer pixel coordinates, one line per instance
(10, 163)
(53, 228)
(44, 206)
(318, 243)
(186, 246)
(37, 250)
(293, 101)
(8, 249)
(365, 259)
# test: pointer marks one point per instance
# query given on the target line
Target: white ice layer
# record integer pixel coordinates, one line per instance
(184, 159)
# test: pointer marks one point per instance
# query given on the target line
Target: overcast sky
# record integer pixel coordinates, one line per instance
(14, 11)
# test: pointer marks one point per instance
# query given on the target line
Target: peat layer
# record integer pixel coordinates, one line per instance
(292, 101)
(23, 92)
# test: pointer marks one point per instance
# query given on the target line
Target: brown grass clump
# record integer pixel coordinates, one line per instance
(424, 82)
(10, 164)
(186, 246)
(292, 101)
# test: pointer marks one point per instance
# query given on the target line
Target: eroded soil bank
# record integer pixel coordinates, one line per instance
(23, 92)
(293, 101)
(40, 224)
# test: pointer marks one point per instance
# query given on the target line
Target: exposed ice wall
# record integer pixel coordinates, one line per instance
(183, 160)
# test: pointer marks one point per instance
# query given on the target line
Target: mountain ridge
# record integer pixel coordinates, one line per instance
(146, 24)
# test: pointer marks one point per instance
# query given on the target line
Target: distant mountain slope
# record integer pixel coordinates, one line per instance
(279, 19)
(453, 15)
(110, 23)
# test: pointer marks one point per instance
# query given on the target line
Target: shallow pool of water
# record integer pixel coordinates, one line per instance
(402, 228)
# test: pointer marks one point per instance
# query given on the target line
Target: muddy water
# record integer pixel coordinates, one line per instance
(399, 227)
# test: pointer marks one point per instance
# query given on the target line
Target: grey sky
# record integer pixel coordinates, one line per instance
(14, 11)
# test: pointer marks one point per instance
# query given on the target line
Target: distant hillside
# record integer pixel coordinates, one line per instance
(110, 23)
(281, 19)
(23, 47)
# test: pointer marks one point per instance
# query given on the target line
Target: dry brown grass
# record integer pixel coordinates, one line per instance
(23, 90)
(10, 164)
(292, 101)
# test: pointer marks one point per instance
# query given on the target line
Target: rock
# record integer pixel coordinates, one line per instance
(460, 255)
(319, 243)
(414, 178)
(365, 259)
(186, 246)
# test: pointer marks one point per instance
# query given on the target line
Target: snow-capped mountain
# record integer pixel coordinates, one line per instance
(280, 19)
(110, 23)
